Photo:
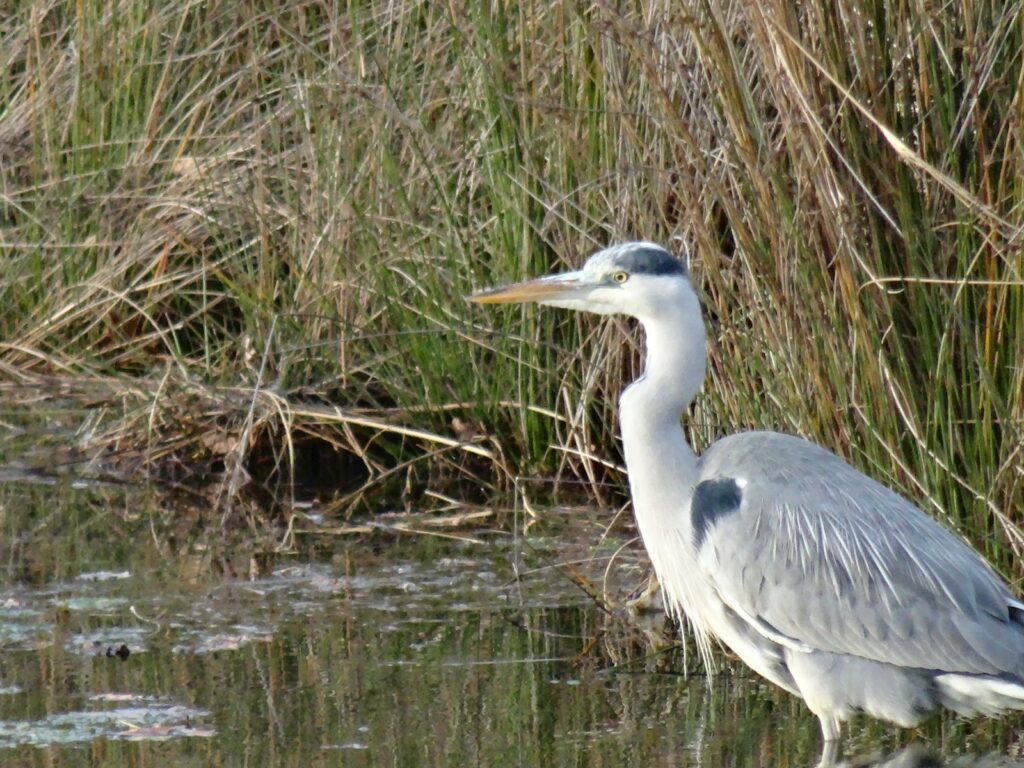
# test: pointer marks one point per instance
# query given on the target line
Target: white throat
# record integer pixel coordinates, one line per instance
(676, 355)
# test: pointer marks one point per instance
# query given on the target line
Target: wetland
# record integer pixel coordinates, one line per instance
(130, 638)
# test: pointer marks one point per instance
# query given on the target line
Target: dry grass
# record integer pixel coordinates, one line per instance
(258, 223)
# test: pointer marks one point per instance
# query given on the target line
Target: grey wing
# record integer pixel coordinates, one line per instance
(819, 555)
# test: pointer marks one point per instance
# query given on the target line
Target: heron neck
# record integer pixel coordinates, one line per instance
(663, 469)
(674, 370)
(657, 454)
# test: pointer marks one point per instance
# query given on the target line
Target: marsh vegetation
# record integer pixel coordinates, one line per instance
(236, 237)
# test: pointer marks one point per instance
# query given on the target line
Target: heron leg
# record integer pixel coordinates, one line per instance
(830, 727)
(830, 730)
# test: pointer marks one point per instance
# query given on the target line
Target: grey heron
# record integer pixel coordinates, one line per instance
(824, 581)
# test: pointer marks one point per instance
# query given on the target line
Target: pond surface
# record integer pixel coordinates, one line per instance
(134, 634)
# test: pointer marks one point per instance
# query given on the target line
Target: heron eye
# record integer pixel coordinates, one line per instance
(620, 277)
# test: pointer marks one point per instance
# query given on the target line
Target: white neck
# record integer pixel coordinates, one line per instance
(674, 370)
(673, 373)
(662, 467)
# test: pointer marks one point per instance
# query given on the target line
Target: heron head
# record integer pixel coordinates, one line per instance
(637, 279)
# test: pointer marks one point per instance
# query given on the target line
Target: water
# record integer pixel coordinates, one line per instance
(134, 633)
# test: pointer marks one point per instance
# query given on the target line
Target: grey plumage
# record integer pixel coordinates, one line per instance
(880, 604)
(821, 579)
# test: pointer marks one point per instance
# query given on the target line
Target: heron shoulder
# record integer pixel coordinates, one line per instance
(785, 470)
(712, 500)
(770, 455)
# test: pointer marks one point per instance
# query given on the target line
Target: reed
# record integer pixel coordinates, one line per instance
(258, 221)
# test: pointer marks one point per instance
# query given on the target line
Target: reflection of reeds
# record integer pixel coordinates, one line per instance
(256, 221)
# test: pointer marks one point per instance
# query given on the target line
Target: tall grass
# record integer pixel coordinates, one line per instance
(212, 198)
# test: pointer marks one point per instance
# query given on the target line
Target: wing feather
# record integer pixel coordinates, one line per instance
(832, 560)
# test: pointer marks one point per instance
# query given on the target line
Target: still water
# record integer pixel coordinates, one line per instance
(134, 633)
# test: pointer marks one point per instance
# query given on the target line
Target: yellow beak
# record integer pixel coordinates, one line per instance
(541, 289)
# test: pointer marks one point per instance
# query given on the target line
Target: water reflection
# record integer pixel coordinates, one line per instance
(407, 652)
(918, 756)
